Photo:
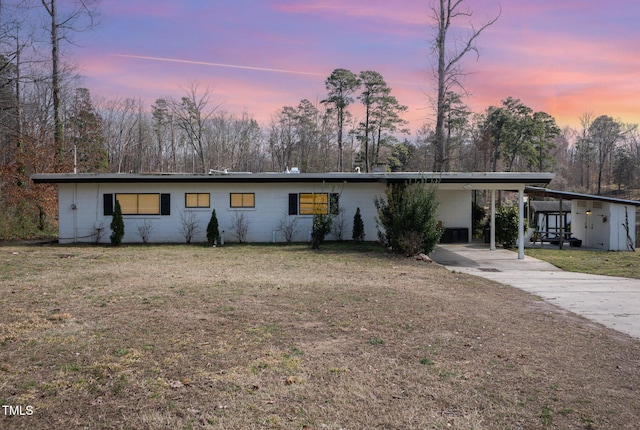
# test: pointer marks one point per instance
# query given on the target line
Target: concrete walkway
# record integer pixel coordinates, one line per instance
(611, 301)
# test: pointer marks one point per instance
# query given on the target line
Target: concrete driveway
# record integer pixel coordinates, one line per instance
(611, 301)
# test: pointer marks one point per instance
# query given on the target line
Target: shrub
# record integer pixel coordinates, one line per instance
(288, 226)
(190, 225)
(240, 226)
(321, 227)
(407, 218)
(213, 230)
(507, 225)
(23, 219)
(117, 225)
(338, 225)
(358, 227)
(479, 214)
(145, 230)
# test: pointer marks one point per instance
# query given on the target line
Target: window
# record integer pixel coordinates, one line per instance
(314, 203)
(243, 200)
(334, 203)
(311, 203)
(139, 204)
(197, 200)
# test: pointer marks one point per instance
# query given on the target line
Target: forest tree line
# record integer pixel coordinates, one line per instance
(48, 120)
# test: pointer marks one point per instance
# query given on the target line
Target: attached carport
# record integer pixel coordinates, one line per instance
(599, 222)
(493, 182)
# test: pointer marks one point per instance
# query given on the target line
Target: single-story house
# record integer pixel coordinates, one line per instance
(163, 202)
(599, 222)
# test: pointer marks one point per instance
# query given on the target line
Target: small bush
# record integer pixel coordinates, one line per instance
(117, 225)
(145, 230)
(479, 214)
(240, 226)
(190, 225)
(358, 227)
(338, 225)
(288, 226)
(507, 225)
(213, 230)
(321, 227)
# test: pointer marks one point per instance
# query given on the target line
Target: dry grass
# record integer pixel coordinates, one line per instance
(621, 263)
(270, 337)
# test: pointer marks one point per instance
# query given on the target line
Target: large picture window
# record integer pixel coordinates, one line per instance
(243, 200)
(197, 200)
(312, 204)
(139, 204)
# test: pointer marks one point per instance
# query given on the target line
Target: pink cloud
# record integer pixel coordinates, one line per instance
(537, 52)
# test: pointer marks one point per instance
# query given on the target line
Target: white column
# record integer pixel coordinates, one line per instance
(492, 234)
(521, 224)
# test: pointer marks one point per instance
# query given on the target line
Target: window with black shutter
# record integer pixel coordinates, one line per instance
(293, 204)
(165, 204)
(107, 204)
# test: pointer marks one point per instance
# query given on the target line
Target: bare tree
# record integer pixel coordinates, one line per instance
(190, 225)
(604, 133)
(121, 131)
(584, 152)
(449, 71)
(283, 137)
(240, 226)
(145, 229)
(192, 114)
(288, 226)
(80, 17)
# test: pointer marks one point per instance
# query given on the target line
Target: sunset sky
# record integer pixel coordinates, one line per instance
(564, 57)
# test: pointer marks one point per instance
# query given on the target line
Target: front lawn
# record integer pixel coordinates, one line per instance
(282, 337)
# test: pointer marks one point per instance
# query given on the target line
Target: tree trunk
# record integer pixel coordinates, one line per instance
(366, 142)
(443, 24)
(58, 131)
(340, 125)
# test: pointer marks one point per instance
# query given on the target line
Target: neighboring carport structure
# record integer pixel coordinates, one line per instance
(599, 222)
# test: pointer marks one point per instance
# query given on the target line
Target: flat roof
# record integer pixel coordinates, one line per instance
(244, 177)
(550, 206)
(567, 195)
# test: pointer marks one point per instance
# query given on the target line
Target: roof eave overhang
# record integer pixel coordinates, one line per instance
(567, 195)
(445, 178)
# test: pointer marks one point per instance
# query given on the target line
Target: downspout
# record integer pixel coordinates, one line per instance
(74, 208)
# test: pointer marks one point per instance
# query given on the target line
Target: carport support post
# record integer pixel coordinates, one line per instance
(521, 224)
(492, 233)
(561, 224)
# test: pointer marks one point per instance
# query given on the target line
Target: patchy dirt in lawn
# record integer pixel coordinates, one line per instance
(281, 337)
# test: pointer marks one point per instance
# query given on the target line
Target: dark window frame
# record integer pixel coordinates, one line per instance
(198, 206)
(243, 205)
(108, 202)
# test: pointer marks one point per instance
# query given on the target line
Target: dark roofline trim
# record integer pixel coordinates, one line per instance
(445, 178)
(567, 195)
